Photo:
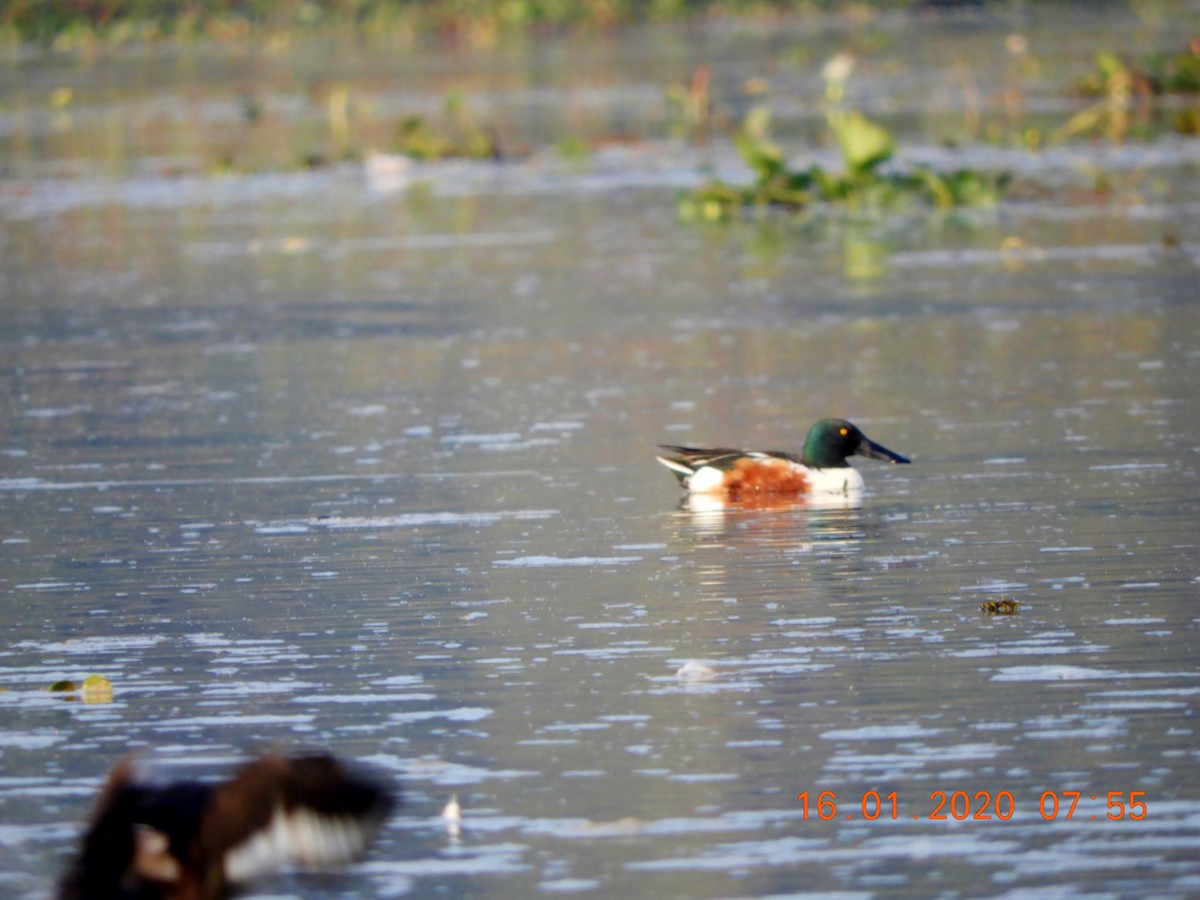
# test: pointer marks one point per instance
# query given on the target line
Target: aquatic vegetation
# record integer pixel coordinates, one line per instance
(867, 180)
(691, 106)
(477, 22)
(1128, 93)
(1153, 76)
(573, 149)
(458, 135)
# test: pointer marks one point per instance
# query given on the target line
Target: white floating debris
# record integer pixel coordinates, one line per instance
(538, 561)
(452, 817)
(1052, 673)
(694, 670)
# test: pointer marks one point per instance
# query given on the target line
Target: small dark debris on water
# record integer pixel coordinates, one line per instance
(1001, 607)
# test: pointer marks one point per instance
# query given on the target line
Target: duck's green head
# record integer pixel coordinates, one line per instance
(831, 441)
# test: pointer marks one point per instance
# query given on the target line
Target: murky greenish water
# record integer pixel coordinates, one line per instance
(314, 460)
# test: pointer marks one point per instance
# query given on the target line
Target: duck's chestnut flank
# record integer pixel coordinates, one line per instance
(753, 476)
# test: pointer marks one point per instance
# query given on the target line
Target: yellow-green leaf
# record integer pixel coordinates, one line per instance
(864, 144)
(97, 689)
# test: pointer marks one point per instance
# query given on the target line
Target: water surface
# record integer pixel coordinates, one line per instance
(308, 459)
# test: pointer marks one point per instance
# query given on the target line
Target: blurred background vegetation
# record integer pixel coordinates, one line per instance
(285, 89)
(63, 23)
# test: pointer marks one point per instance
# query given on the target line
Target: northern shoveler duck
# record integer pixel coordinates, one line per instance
(200, 841)
(821, 468)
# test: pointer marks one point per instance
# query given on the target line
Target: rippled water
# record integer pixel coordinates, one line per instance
(311, 460)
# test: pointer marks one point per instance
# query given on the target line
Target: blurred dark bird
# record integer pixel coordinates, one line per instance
(200, 841)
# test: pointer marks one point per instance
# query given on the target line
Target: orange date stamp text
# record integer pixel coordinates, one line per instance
(978, 806)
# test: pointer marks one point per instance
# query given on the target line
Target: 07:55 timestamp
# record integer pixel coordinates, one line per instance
(871, 805)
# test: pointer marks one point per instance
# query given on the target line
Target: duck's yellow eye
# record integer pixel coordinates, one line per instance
(843, 431)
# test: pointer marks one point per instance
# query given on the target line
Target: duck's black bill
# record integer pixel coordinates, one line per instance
(873, 450)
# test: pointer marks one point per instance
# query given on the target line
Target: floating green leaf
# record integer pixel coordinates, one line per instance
(864, 144)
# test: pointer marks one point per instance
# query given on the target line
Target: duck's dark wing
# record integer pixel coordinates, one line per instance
(278, 812)
(684, 461)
